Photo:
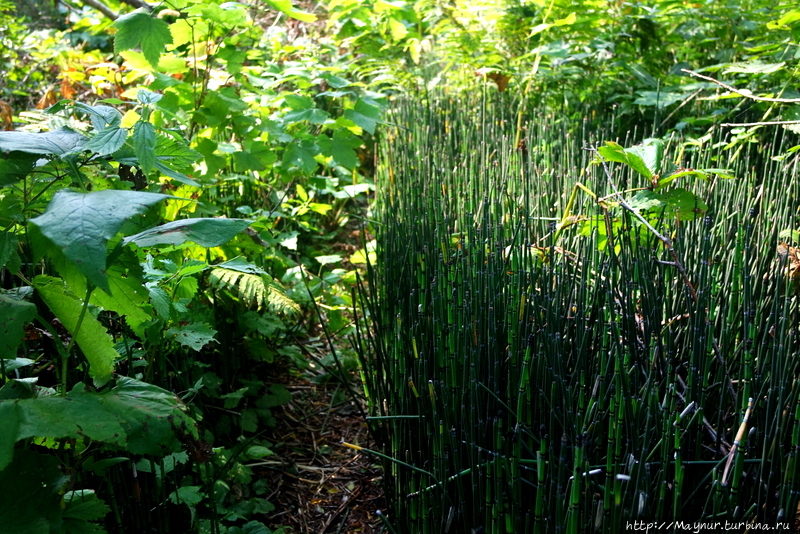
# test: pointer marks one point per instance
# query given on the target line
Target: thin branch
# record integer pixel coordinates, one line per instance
(768, 123)
(739, 91)
(676, 261)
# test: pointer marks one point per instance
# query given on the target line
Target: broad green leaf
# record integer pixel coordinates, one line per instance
(255, 527)
(144, 144)
(313, 115)
(30, 494)
(644, 159)
(9, 255)
(241, 265)
(189, 495)
(397, 29)
(227, 15)
(286, 7)
(341, 147)
(17, 363)
(646, 200)
(141, 29)
(175, 175)
(325, 260)
(784, 22)
(365, 114)
(566, 21)
(650, 152)
(205, 232)
(92, 337)
(127, 292)
(148, 97)
(298, 102)
(176, 152)
(301, 155)
(15, 166)
(195, 335)
(81, 224)
(139, 417)
(80, 508)
(108, 140)
(365, 254)
(13, 316)
(661, 99)
(101, 116)
(160, 301)
(754, 67)
(684, 204)
(59, 142)
(643, 76)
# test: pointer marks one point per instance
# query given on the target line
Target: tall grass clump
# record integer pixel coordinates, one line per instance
(528, 376)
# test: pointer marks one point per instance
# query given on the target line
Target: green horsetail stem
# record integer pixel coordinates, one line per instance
(555, 335)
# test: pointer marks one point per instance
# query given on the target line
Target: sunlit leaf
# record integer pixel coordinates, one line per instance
(141, 29)
(92, 337)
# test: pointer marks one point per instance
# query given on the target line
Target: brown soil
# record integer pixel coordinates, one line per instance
(320, 486)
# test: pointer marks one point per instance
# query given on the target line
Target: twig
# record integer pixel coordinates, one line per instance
(676, 261)
(664, 239)
(739, 91)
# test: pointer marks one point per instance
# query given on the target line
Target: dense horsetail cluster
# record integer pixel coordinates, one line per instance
(530, 372)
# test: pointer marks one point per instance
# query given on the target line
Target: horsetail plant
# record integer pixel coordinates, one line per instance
(546, 356)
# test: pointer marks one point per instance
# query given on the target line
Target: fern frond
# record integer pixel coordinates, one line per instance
(279, 302)
(254, 287)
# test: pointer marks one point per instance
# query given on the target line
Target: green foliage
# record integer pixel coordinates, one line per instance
(156, 227)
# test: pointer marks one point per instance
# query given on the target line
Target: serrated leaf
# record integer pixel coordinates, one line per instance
(82, 223)
(141, 29)
(194, 336)
(144, 145)
(108, 140)
(13, 316)
(205, 232)
(59, 142)
(127, 292)
(160, 301)
(93, 339)
(84, 505)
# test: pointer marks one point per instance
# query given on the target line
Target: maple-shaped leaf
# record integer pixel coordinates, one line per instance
(140, 29)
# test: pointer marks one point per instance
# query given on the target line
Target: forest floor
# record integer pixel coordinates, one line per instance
(320, 486)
